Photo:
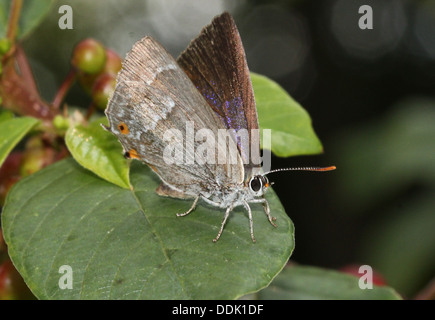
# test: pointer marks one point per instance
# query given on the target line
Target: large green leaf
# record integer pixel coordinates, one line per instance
(292, 132)
(12, 130)
(32, 13)
(129, 244)
(99, 151)
(311, 283)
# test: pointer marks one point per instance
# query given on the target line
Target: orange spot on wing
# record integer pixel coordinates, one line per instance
(122, 127)
(133, 154)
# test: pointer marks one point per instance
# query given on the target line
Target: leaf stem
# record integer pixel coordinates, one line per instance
(64, 88)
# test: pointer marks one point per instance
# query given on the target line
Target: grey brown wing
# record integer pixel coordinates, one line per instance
(215, 61)
(154, 98)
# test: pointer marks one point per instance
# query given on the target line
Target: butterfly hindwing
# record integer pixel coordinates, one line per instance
(154, 97)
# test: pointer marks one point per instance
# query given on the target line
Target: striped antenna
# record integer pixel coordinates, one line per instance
(302, 169)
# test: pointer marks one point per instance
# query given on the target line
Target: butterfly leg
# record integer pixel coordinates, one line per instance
(266, 210)
(227, 214)
(213, 203)
(191, 208)
(251, 224)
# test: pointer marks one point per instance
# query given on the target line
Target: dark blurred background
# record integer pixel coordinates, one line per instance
(370, 94)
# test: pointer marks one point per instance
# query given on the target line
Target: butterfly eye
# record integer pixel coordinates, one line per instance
(255, 184)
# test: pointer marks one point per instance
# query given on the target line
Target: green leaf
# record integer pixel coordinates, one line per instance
(311, 283)
(292, 132)
(99, 151)
(32, 13)
(129, 244)
(12, 130)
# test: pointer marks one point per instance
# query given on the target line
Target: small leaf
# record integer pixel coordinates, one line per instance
(292, 133)
(311, 283)
(98, 150)
(31, 15)
(129, 244)
(12, 130)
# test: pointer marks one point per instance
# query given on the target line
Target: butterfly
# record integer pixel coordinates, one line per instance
(159, 102)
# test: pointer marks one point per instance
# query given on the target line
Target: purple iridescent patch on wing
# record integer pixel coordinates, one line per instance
(234, 115)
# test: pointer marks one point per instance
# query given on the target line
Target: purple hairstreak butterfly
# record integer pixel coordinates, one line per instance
(159, 103)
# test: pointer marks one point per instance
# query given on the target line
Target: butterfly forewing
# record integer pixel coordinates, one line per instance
(215, 61)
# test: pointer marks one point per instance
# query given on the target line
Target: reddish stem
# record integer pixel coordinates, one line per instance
(64, 88)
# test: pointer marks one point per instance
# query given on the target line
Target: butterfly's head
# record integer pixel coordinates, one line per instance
(258, 185)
